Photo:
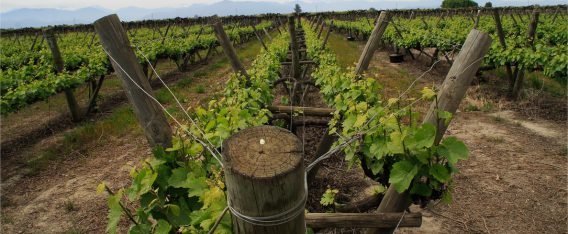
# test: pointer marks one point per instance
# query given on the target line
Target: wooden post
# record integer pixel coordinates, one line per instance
(34, 41)
(372, 43)
(327, 33)
(321, 28)
(530, 42)
(259, 39)
(450, 95)
(267, 34)
(59, 66)
(264, 175)
(229, 50)
(363, 220)
(476, 23)
(151, 118)
(295, 70)
(501, 35)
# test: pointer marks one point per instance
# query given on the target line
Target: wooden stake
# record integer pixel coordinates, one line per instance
(327, 33)
(372, 43)
(264, 174)
(59, 66)
(530, 42)
(295, 70)
(124, 61)
(229, 50)
(363, 220)
(450, 95)
(501, 35)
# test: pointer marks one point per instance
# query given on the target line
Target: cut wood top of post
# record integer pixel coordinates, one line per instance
(262, 152)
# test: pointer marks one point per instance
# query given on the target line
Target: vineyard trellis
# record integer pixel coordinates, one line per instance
(183, 189)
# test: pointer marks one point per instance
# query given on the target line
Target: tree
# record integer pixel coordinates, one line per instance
(297, 9)
(488, 4)
(373, 10)
(458, 3)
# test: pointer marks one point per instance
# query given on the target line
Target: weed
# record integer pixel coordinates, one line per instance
(69, 206)
(498, 119)
(471, 107)
(185, 82)
(487, 106)
(200, 89)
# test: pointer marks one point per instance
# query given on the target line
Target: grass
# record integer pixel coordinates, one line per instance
(122, 121)
(347, 52)
(200, 89)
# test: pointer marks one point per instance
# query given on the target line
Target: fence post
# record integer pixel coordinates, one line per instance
(372, 43)
(59, 65)
(151, 118)
(450, 95)
(264, 175)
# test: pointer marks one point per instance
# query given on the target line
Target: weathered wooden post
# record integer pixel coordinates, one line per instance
(450, 95)
(295, 70)
(327, 33)
(115, 42)
(229, 49)
(530, 42)
(59, 66)
(372, 43)
(501, 35)
(265, 178)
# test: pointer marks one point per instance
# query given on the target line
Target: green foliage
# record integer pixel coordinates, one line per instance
(488, 5)
(458, 3)
(181, 188)
(328, 198)
(297, 8)
(29, 76)
(393, 140)
(549, 54)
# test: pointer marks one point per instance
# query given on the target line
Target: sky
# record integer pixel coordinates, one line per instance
(7, 5)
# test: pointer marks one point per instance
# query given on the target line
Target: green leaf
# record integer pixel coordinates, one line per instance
(142, 183)
(444, 115)
(421, 189)
(440, 173)
(402, 174)
(428, 93)
(361, 119)
(423, 137)
(115, 211)
(453, 150)
(162, 227)
(328, 198)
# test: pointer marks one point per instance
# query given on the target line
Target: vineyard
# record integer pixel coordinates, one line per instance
(412, 121)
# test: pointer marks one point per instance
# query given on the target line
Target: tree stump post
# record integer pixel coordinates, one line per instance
(372, 43)
(450, 95)
(264, 175)
(150, 116)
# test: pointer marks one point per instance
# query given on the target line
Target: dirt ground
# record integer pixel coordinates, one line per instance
(513, 182)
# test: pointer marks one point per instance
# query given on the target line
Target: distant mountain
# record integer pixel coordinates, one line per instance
(27, 17)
